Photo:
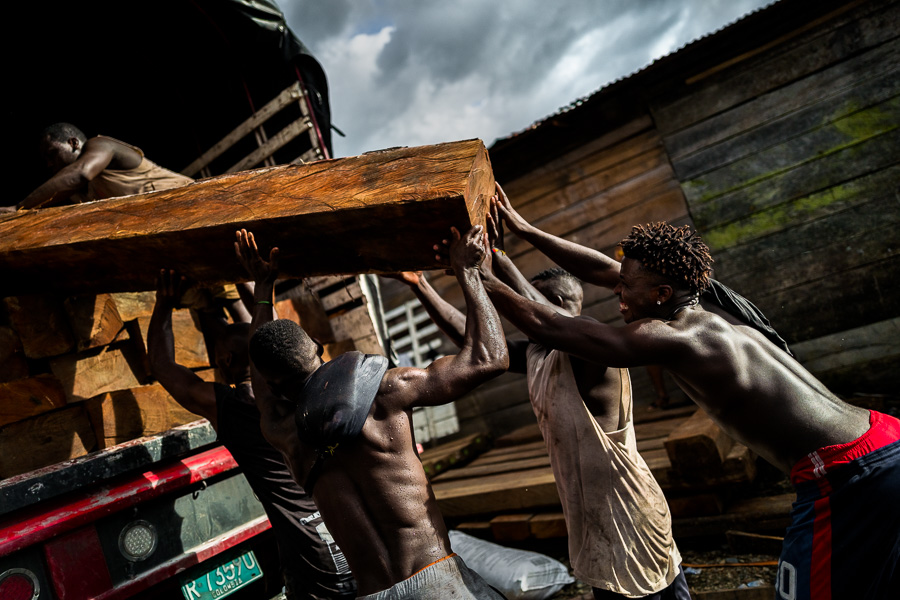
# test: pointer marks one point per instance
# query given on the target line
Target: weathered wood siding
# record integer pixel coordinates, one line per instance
(783, 154)
(789, 163)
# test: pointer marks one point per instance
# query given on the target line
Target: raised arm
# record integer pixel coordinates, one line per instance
(502, 265)
(446, 316)
(450, 320)
(264, 273)
(95, 157)
(183, 385)
(483, 354)
(633, 345)
(585, 263)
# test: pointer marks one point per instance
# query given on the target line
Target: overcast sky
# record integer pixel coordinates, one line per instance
(414, 72)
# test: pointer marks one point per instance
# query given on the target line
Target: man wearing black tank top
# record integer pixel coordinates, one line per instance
(312, 564)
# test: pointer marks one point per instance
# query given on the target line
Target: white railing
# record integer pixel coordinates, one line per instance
(417, 340)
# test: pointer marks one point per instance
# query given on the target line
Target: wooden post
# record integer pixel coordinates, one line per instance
(379, 212)
(48, 438)
(41, 324)
(124, 415)
(29, 397)
(94, 320)
(698, 448)
(12, 357)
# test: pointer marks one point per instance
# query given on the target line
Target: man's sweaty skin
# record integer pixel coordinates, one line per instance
(758, 394)
(373, 493)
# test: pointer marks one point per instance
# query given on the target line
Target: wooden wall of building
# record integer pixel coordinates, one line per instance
(785, 158)
(788, 158)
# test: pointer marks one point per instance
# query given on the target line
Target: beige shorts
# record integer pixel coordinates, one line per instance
(447, 578)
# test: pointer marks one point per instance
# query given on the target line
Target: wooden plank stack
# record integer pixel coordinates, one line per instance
(80, 379)
(81, 382)
(75, 309)
(454, 454)
(509, 492)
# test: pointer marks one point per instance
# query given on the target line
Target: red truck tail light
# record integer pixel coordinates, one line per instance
(19, 584)
(137, 540)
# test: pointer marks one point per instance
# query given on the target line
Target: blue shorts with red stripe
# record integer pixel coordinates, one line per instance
(844, 537)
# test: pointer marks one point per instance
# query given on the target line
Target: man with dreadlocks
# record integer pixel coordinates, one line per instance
(836, 454)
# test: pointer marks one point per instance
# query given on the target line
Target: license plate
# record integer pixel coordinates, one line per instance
(225, 578)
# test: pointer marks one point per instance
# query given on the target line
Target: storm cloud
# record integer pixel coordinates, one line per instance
(407, 73)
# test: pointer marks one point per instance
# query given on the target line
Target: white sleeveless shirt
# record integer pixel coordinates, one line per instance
(620, 528)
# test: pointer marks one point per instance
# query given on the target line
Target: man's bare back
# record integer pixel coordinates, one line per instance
(757, 393)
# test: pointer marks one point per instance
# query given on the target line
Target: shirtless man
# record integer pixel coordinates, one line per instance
(100, 167)
(313, 568)
(345, 431)
(843, 460)
(620, 528)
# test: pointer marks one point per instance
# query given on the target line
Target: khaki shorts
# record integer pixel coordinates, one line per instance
(446, 578)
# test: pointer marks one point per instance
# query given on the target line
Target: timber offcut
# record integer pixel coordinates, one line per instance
(380, 212)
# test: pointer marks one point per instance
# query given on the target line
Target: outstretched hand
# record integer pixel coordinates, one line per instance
(494, 226)
(467, 251)
(410, 278)
(462, 251)
(514, 220)
(257, 267)
(169, 288)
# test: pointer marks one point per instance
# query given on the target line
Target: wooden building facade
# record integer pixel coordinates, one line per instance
(777, 139)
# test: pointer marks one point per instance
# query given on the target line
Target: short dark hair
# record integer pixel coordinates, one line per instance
(282, 346)
(676, 253)
(60, 132)
(556, 273)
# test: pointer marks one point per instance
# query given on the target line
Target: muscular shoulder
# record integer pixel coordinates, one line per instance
(686, 337)
(704, 333)
(121, 155)
(398, 388)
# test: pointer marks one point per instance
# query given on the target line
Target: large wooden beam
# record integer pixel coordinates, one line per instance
(378, 212)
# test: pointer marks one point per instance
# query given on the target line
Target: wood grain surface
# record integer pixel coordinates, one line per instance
(378, 212)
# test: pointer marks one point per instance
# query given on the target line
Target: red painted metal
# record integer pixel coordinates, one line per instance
(43, 522)
(312, 115)
(178, 564)
(77, 565)
(16, 586)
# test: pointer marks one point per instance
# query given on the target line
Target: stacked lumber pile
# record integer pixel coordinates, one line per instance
(453, 454)
(74, 376)
(74, 373)
(509, 492)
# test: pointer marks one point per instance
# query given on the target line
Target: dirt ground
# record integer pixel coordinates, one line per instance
(727, 577)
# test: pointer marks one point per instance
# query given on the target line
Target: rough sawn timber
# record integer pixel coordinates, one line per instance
(379, 212)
